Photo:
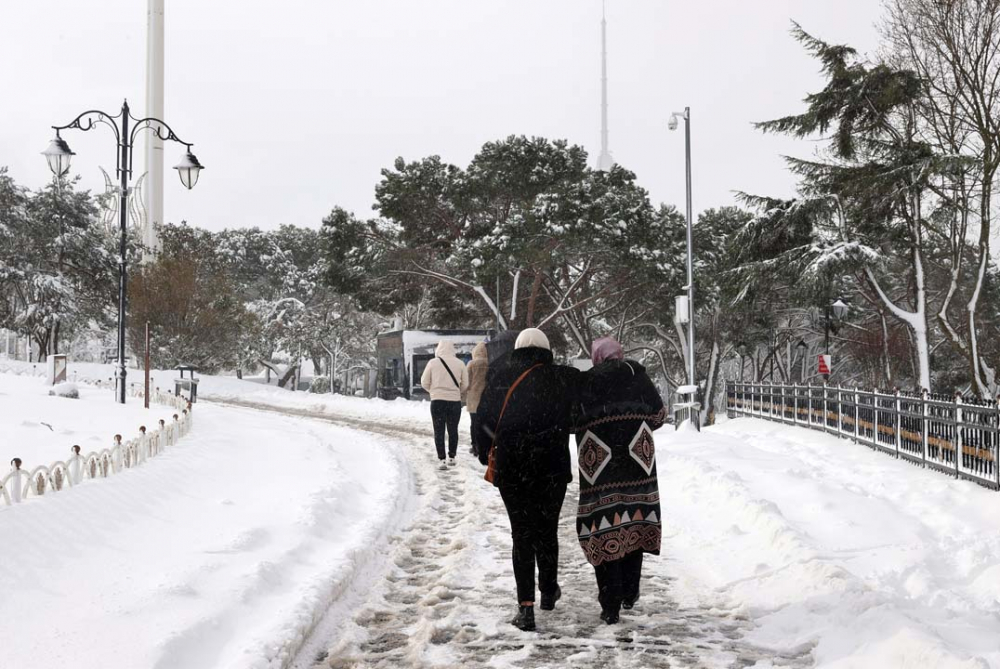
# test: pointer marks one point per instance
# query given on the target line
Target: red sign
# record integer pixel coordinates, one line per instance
(824, 364)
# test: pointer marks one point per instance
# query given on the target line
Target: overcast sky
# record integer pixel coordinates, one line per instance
(295, 106)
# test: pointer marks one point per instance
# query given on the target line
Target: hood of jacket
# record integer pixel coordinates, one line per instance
(445, 349)
(532, 355)
(606, 348)
(532, 337)
(479, 353)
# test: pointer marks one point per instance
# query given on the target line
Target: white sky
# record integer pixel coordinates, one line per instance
(295, 106)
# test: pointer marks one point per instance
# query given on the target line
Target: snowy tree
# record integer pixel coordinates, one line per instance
(954, 48)
(873, 188)
(526, 235)
(57, 265)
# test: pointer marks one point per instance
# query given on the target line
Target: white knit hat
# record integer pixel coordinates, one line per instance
(532, 338)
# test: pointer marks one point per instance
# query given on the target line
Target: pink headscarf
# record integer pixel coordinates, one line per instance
(606, 348)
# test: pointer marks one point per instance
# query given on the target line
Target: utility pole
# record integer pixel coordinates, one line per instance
(154, 143)
(145, 395)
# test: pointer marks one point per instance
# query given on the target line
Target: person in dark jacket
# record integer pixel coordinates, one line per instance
(477, 369)
(532, 461)
(618, 518)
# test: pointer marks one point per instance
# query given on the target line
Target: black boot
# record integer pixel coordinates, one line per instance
(629, 602)
(610, 617)
(525, 618)
(549, 601)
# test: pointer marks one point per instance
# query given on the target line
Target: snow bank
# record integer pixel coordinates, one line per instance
(41, 428)
(222, 552)
(65, 390)
(827, 545)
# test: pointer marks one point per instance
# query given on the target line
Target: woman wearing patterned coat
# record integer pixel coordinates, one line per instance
(619, 514)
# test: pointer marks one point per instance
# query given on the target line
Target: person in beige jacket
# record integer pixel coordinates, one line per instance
(477, 384)
(446, 379)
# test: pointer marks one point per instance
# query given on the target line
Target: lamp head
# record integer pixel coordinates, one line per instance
(58, 155)
(839, 310)
(189, 168)
(672, 123)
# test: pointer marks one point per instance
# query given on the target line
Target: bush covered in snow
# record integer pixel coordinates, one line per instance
(320, 384)
(66, 390)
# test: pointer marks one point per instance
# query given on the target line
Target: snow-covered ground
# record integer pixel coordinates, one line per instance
(40, 428)
(222, 552)
(825, 543)
(782, 547)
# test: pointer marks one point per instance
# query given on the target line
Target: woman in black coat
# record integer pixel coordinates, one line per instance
(619, 514)
(532, 462)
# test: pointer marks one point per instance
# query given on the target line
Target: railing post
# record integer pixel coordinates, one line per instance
(17, 476)
(875, 417)
(825, 410)
(899, 423)
(958, 434)
(996, 443)
(840, 411)
(857, 415)
(795, 404)
(924, 426)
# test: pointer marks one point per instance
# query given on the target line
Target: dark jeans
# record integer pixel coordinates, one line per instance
(445, 414)
(475, 433)
(534, 524)
(618, 580)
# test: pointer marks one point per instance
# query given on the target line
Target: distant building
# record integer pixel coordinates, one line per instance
(403, 355)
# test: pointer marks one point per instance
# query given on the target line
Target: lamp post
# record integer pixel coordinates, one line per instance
(834, 314)
(58, 155)
(802, 347)
(672, 124)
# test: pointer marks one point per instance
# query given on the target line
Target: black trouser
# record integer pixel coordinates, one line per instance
(446, 414)
(618, 580)
(534, 528)
(475, 433)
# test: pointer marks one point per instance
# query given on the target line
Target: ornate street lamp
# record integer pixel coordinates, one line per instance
(839, 310)
(58, 156)
(801, 349)
(834, 315)
(189, 168)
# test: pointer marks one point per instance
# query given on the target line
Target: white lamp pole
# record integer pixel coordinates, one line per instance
(686, 115)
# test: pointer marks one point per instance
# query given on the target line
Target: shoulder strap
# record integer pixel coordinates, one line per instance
(448, 369)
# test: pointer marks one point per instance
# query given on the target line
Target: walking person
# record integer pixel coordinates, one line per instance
(526, 417)
(477, 369)
(446, 379)
(618, 518)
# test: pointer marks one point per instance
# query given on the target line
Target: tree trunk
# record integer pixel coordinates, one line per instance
(536, 284)
(288, 375)
(711, 381)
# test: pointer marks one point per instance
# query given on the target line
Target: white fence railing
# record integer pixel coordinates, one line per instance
(23, 482)
(951, 434)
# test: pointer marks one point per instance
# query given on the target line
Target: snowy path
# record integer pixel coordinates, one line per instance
(326, 537)
(443, 593)
(221, 552)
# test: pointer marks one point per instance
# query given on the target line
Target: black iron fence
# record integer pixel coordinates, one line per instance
(955, 435)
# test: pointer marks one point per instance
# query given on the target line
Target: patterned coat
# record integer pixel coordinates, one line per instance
(619, 510)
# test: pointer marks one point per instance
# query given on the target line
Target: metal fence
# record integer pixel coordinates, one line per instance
(955, 435)
(23, 482)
